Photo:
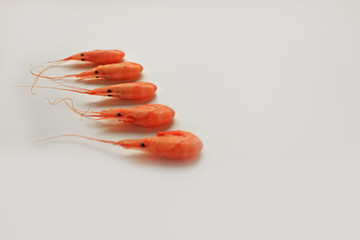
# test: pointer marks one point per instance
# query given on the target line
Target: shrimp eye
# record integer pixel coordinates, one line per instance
(82, 54)
(109, 90)
(142, 144)
(83, 59)
(118, 114)
(96, 72)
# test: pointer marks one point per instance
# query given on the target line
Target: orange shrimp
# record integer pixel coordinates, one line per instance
(115, 71)
(171, 144)
(95, 56)
(99, 56)
(134, 91)
(148, 115)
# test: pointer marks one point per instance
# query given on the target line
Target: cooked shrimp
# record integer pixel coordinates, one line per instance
(115, 71)
(135, 91)
(99, 56)
(149, 115)
(95, 56)
(170, 144)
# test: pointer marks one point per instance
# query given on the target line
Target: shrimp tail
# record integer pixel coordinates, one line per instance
(80, 136)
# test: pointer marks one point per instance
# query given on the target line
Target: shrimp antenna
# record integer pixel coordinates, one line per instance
(71, 106)
(54, 63)
(81, 90)
(76, 135)
(72, 87)
(38, 75)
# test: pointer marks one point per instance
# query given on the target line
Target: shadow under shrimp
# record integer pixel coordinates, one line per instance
(143, 158)
(113, 125)
(121, 102)
(103, 81)
(85, 65)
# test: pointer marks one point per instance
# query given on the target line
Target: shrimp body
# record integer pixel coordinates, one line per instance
(115, 71)
(170, 144)
(99, 56)
(148, 115)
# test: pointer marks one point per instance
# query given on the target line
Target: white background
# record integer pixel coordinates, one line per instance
(271, 87)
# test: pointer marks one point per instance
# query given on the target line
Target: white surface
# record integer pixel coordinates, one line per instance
(271, 87)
